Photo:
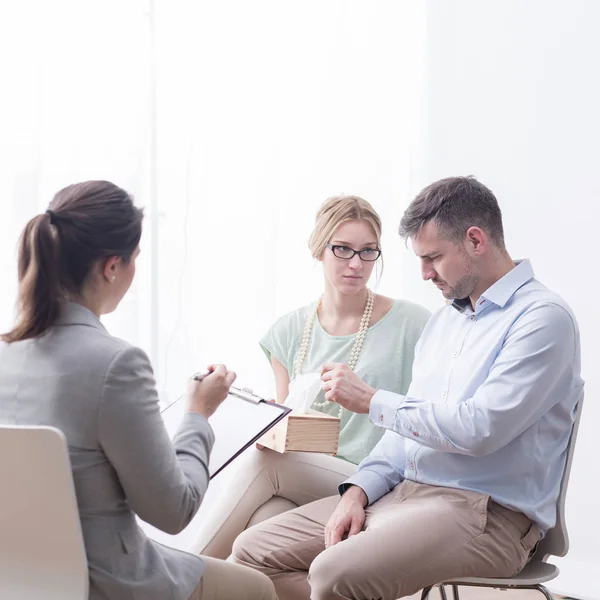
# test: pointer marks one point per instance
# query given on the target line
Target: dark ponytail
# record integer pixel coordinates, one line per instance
(86, 222)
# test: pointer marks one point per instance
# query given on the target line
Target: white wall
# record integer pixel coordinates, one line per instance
(512, 96)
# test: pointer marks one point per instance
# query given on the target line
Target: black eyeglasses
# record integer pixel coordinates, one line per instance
(345, 253)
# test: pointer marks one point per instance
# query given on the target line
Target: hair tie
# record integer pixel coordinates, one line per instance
(52, 217)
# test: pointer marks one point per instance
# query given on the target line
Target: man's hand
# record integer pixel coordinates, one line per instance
(348, 516)
(343, 386)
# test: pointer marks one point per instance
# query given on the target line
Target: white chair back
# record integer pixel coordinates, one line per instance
(42, 554)
(556, 541)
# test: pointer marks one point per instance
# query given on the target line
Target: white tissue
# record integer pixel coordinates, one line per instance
(303, 392)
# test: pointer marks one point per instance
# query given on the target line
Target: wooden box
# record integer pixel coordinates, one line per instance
(310, 432)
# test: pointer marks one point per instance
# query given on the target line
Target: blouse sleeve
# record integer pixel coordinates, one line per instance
(277, 342)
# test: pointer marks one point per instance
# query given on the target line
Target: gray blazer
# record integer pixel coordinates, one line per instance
(100, 392)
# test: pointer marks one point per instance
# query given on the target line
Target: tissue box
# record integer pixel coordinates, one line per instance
(309, 432)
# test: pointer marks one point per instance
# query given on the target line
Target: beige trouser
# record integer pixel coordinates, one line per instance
(415, 536)
(225, 581)
(266, 484)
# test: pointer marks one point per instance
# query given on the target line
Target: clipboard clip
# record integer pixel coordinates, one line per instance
(245, 394)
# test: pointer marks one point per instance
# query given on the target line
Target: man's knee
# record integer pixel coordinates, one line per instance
(245, 548)
(322, 577)
(332, 577)
(336, 574)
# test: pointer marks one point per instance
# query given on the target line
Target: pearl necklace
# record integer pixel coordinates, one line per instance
(356, 348)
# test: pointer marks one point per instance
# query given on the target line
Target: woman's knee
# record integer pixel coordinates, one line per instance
(259, 460)
(258, 586)
(223, 579)
(271, 508)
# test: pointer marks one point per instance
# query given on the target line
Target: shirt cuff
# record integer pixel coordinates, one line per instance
(371, 483)
(384, 408)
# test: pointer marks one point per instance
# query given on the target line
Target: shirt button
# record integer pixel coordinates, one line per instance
(381, 418)
(472, 317)
(456, 355)
(416, 433)
(412, 466)
(444, 394)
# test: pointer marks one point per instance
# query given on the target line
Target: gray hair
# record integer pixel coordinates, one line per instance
(454, 204)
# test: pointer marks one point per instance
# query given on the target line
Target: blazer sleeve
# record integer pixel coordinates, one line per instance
(164, 482)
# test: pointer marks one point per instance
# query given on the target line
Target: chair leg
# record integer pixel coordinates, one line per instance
(455, 592)
(543, 590)
(425, 592)
(443, 592)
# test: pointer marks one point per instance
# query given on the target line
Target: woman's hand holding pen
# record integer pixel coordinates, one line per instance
(206, 392)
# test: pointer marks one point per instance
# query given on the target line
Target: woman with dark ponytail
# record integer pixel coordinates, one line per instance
(87, 227)
(60, 367)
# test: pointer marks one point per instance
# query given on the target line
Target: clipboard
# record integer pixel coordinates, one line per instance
(239, 422)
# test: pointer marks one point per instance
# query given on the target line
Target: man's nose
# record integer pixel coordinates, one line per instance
(427, 271)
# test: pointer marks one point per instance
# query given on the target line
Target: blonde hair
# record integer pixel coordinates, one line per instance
(337, 210)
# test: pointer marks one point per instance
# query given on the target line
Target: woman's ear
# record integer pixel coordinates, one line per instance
(109, 269)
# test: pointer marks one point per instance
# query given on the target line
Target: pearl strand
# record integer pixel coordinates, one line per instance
(306, 335)
(356, 348)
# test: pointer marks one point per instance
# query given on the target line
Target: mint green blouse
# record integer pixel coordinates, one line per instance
(385, 362)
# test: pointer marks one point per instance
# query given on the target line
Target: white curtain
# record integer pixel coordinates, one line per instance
(230, 122)
(266, 109)
(74, 106)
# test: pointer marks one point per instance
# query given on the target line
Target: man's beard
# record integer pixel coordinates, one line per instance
(463, 289)
(465, 286)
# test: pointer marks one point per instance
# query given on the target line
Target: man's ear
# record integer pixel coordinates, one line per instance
(476, 240)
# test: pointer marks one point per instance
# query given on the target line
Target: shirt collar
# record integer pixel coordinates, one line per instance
(501, 292)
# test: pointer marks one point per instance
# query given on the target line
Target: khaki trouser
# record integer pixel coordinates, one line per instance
(268, 483)
(226, 581)
(415, 536)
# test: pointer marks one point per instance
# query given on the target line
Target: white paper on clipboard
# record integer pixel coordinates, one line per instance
(237, 424)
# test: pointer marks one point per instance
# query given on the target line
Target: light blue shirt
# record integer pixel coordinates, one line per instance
(492, 401)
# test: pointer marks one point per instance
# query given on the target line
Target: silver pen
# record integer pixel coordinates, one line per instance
(201, 376)
(243, 393)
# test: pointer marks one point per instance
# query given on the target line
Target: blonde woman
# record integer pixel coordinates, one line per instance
(373, 334)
